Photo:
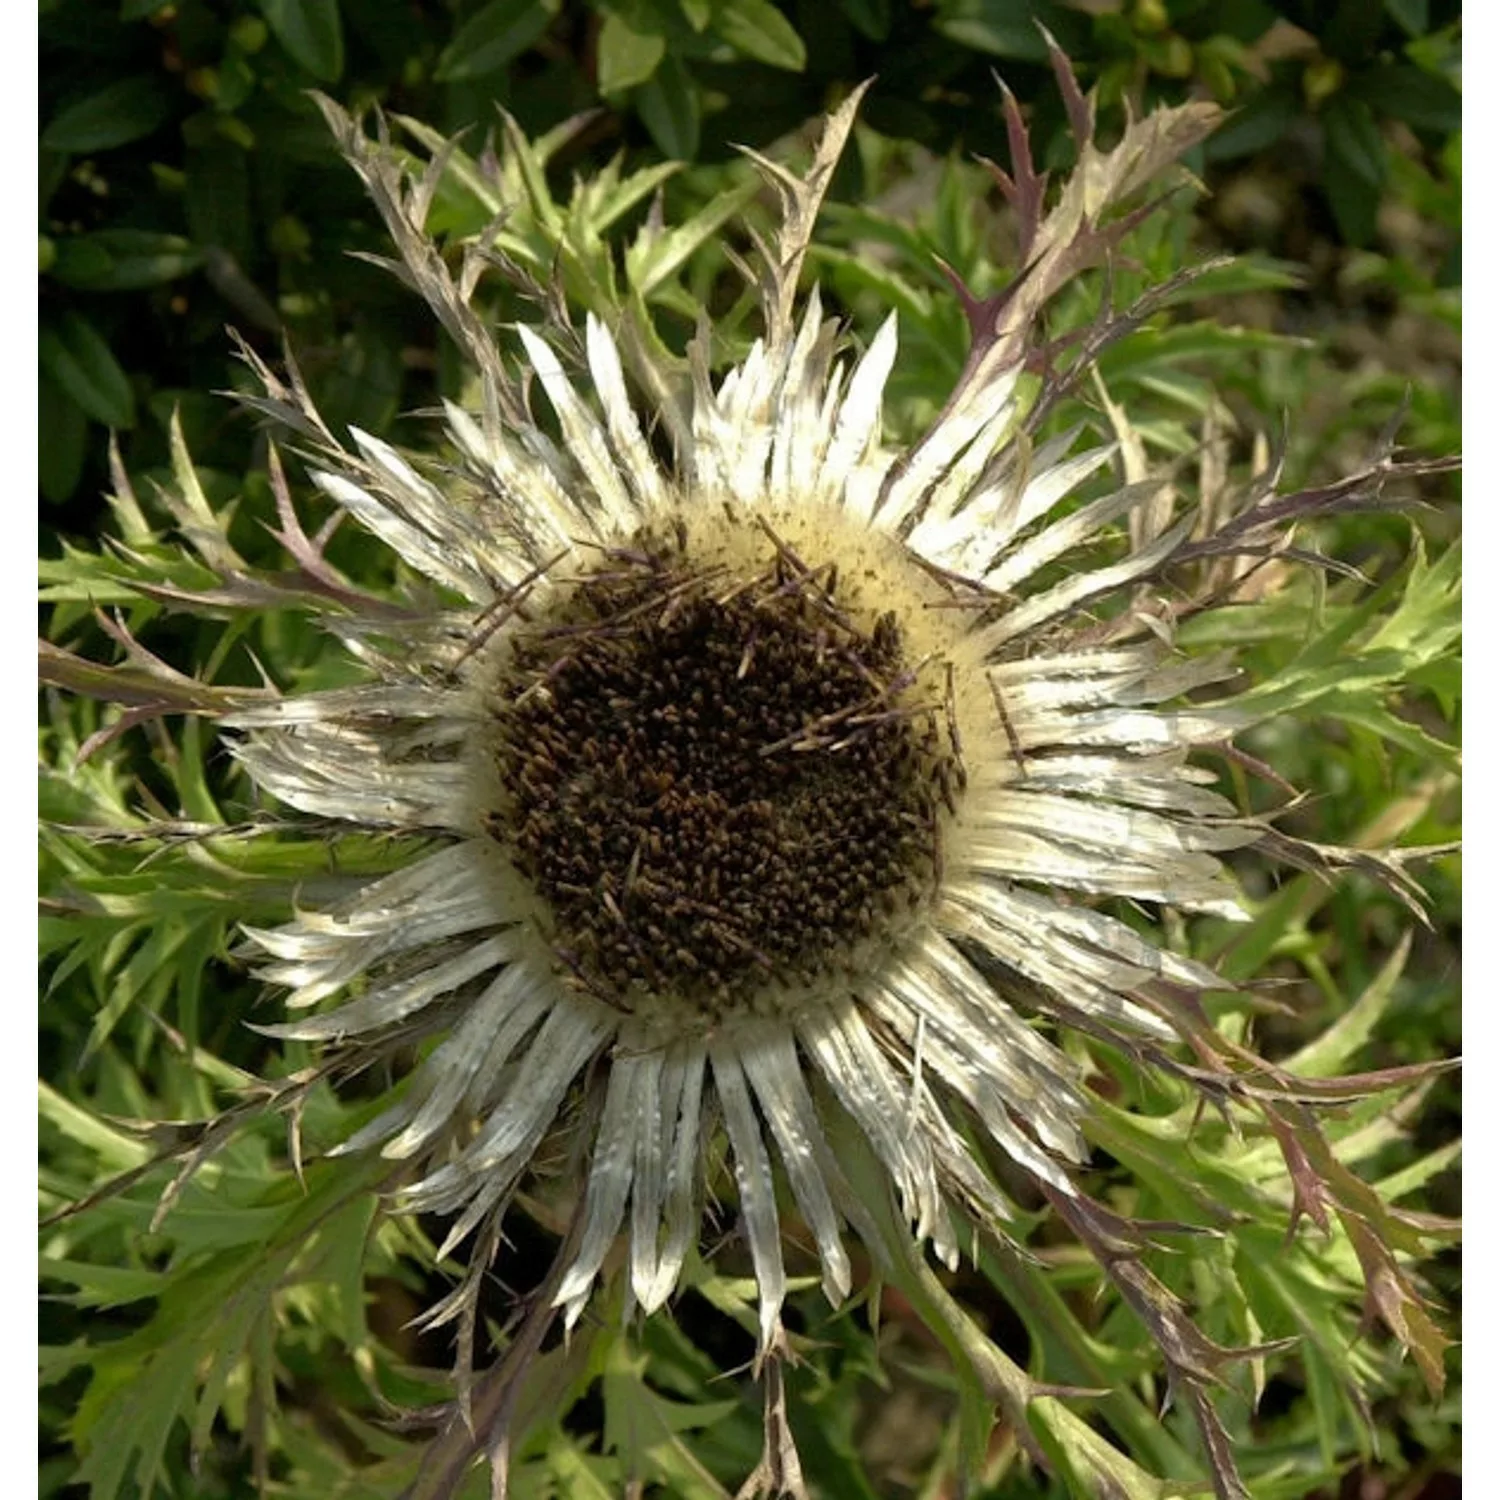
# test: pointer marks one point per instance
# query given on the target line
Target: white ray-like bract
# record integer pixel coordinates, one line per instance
(1066, 780)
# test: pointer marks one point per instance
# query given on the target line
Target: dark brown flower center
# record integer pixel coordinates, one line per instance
(718, 784)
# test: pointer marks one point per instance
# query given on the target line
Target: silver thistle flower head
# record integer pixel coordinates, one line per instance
(760, 775)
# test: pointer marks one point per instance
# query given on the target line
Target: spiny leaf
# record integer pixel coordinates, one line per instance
(647, 1430)
(1376, 1231)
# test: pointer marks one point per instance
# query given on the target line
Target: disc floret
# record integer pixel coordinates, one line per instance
(724, 783)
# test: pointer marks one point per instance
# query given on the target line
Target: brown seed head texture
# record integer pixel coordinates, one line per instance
(717, 784)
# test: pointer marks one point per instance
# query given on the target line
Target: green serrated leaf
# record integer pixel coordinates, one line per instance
(1245, 273)
(1419, 1173)
(56, 1362)
(528, 162)
(100, 1286)
(658, 254)
(1356, 656)
(115, 1150)
(129, 1434)
(342, 1265)
(146, 1381)
(1281, 1286)
(134, 982)
(1427, 620)
(646, 1429)
(580, 1474)
(599, 213)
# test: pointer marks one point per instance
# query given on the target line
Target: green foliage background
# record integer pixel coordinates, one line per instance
(256, 1333)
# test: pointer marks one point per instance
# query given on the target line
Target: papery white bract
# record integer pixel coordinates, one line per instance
(582, 510)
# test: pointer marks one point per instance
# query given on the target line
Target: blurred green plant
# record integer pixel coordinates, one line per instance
(186, 182)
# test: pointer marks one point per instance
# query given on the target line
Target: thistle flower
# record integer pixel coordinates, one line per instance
(765, 785)
(759, 776)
